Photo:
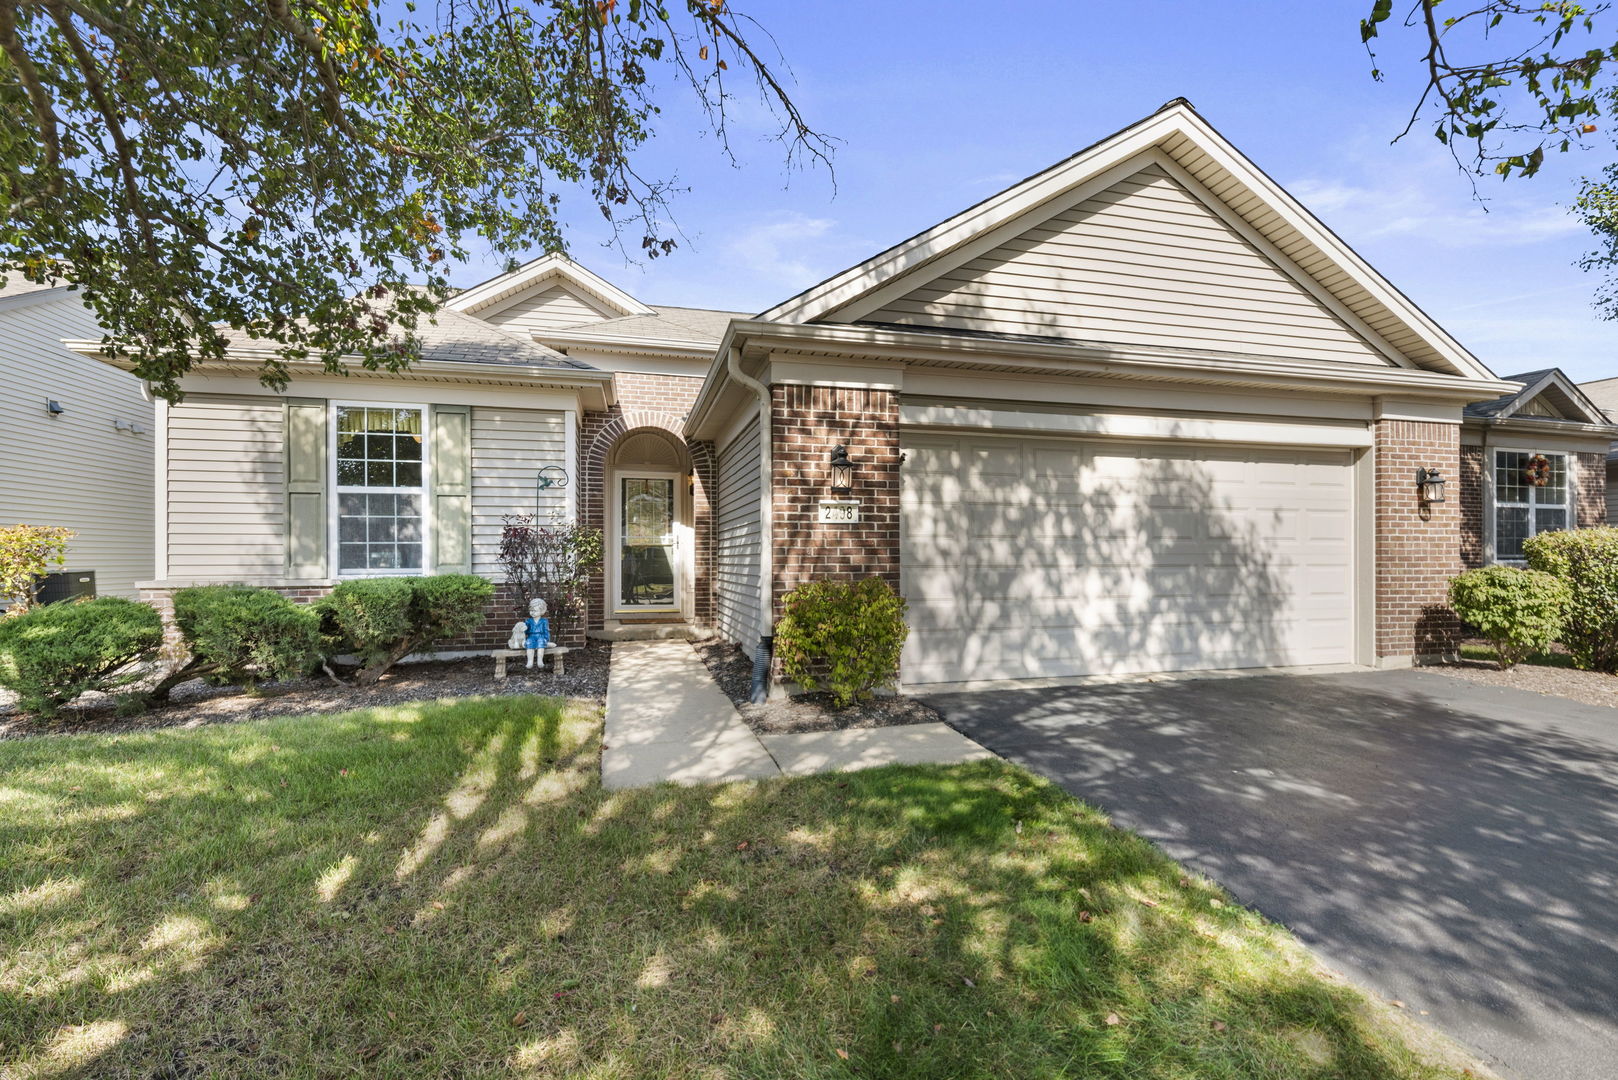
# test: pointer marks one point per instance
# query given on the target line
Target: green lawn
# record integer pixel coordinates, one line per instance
(444, 890)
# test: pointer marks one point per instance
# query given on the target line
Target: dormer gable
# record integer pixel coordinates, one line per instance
(549, 293)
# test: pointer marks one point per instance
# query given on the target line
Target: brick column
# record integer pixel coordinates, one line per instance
(1417, 547)
(808, 421)
(1472, 477)
(1590, 490)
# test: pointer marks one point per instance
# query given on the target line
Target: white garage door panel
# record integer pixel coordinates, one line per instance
(1032, 558)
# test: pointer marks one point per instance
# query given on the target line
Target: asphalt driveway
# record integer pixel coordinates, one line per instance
(1449, 845)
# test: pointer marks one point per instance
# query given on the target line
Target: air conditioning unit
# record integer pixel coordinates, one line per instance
(77, 585)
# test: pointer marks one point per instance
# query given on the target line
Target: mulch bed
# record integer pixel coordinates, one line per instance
(1588, 687)
(732, 669)
(195, 703)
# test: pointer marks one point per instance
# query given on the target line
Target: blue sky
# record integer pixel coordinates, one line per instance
(940, 104)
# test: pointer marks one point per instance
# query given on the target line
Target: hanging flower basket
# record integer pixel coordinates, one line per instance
(1538, 470)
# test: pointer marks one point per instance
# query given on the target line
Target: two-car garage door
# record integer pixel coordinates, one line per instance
(1046, 557)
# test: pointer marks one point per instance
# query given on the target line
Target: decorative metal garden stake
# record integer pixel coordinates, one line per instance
(551, 476)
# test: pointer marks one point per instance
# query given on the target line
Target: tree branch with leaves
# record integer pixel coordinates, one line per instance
(304, 173)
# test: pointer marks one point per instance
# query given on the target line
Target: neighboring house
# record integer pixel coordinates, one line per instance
(1604, 393)
(76, 438)
(1140, 412)
(1547, 429)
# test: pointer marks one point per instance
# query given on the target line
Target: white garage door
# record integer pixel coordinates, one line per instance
(1033, 558)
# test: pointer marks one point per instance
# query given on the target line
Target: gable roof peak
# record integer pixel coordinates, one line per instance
(1180, 140)
(551, 268)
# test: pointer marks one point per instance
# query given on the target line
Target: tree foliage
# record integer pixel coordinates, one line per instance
(292, 169)
(1507, 79)
(27, 553)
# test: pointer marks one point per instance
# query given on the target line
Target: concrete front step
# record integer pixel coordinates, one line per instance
(651, 632)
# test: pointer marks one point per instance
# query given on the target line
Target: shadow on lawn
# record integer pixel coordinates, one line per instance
(1457, 845)
(464, 900)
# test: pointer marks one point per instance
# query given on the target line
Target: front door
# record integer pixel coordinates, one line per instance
(647, 554)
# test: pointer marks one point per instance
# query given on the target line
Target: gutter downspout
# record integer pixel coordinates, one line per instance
(766, 561)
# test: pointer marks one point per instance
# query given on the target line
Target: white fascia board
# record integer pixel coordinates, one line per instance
(885, 344)
(798, 371)
(531, 273)
(1497, 428)
(1346, 435)
(608, 341)
(38, 296)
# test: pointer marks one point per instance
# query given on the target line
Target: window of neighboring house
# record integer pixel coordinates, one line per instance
(381, 501)
(1522, 509)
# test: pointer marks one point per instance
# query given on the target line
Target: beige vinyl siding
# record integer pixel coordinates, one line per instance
(1143, 262)
(737, 539)
(227, 489)
(76, 470)
(553, 308)
(509, 447)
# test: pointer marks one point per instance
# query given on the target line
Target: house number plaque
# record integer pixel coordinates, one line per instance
(839, 511)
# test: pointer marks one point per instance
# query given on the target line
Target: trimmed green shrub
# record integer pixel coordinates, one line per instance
(1587, 560)
(1519, 612)
(27, 553)
(52, 654)
(843, 637)
(242, 634)
(382, 620)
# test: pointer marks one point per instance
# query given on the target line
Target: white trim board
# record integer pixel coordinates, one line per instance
(1135, 426)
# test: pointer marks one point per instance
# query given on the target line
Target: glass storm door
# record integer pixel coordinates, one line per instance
(646, 549)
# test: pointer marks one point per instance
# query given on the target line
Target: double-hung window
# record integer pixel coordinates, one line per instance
(381, 465)
(1523, 508)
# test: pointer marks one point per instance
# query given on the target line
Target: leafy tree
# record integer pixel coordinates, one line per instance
(290, 169)
(1509, 80)
(27, 553)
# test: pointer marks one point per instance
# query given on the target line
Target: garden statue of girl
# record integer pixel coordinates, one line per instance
(533, 633)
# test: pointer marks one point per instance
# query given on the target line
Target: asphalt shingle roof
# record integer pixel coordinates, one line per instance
(1496, 406)
(452, 336)
(698, 325)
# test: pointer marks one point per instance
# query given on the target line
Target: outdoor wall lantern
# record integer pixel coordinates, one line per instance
(1430, 486)
(842, 471)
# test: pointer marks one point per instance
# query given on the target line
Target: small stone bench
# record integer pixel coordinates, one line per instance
(557, 652)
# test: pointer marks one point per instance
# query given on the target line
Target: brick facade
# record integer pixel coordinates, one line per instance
(1417, 548)
(1472, 478)
(1589, 490)
(808, 421)
(661, 403)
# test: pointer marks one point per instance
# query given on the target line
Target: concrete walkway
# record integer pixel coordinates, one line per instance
(668, 720)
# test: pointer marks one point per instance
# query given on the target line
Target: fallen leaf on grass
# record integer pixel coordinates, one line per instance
(894, 998)
(1085, 916)
(1148, 903)
(969, 982)
(1113, 1019)
(520, 1019)
(842, 1053)
(1219, 1025)
(1397, 1004)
